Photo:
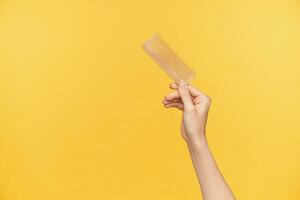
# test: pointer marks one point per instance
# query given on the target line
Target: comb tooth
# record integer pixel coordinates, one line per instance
(167, 59)
(164, 65)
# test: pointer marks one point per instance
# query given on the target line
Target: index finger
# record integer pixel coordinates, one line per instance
(173, 86)
(193, 91)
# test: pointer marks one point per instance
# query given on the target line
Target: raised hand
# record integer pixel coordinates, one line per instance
(195, 106)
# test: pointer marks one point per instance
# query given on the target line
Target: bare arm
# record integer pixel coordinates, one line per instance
(195, 106)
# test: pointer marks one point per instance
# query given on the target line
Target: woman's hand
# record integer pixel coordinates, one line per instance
(195, 106)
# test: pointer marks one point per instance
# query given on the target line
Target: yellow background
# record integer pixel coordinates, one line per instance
(80, 102)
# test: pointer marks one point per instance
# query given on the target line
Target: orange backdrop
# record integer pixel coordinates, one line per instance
(80, 102)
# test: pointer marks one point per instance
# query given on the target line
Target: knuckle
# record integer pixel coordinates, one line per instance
(208, 99)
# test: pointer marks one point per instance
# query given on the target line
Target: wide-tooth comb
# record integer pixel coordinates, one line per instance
(167, 59)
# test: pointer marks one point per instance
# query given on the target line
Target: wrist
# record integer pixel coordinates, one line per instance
(198, 141)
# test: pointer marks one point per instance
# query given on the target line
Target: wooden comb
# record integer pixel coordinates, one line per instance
(167, 59)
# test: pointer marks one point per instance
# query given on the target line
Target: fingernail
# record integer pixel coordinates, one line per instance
(183, 84)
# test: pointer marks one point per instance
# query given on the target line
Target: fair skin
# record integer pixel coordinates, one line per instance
(194, 105)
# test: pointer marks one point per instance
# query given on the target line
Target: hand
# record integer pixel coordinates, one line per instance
(195, 106)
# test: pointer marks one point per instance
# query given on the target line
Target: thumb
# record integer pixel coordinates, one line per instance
(185, 96)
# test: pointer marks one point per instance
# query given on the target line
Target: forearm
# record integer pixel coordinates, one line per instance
(195, 106)
(212, 183)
